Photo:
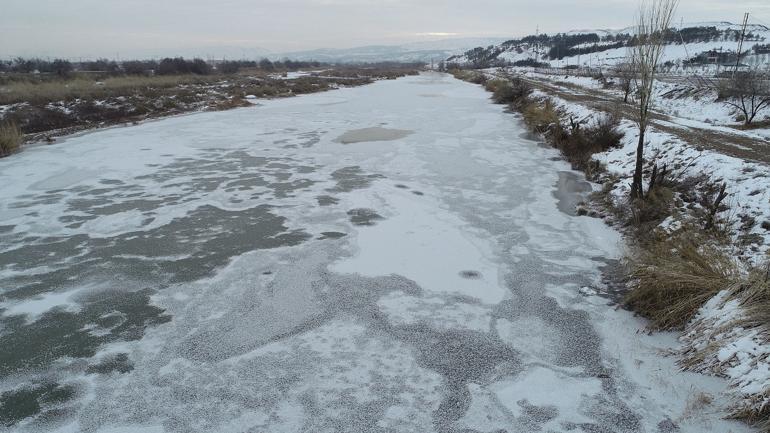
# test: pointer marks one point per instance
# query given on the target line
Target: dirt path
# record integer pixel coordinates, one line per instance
(733, 144)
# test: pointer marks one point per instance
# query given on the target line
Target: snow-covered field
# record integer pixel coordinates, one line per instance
(247, 271)
(608, 57)
(684, 100)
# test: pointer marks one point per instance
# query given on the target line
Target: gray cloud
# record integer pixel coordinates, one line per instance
(137, 28)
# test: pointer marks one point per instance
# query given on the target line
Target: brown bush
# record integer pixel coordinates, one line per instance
(647, 213)
(541, 115)
(513, 91)
(10, 138)
(581, 140)
(474, 77)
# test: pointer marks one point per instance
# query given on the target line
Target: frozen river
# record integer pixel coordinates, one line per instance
(400, 257)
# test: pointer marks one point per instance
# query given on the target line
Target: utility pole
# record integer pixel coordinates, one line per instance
(681, 26)
(740, 45)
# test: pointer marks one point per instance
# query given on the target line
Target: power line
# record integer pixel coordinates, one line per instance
(759, 21)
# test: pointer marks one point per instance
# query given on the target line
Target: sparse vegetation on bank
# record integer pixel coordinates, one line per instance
(577, 139)
(50, 105)
(672, 278)
(682, 239)
(469, 75)
(41, 92)
(10, 138)
(509, 91)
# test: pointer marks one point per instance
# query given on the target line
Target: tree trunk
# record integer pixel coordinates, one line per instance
(637, 190)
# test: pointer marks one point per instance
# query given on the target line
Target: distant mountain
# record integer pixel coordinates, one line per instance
(411, 52)
(702, 44)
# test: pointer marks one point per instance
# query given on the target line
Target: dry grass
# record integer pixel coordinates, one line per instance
(674, 277)
(582, 140)
(470, 76)
(10, 138)
(84, 88)
(647, 213)
(513, 91)
(758, 419)
(754, 293)
(230, 103)
(697, 403)
(753, 412)
(541, 115)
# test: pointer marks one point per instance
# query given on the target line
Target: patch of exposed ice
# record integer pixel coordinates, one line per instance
(415, 230)
(543, 387)
(35, 307)
(440, 313)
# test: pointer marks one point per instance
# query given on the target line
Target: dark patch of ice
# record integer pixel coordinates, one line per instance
(364, 217)
(470, 275)
(352, 178)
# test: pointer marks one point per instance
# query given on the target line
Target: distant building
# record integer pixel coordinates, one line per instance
(715, 57)
(762, 49)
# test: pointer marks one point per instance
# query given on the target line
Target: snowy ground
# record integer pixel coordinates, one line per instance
(683, 100)
(247, 271)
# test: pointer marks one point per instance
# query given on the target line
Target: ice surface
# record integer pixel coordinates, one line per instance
(543, 387)
(217, 301)
(431, 248)
(36, 306)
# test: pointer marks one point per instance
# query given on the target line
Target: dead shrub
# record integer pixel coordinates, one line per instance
(648, 212)
(474, 77)
(10, 138)
(541, 115)
(674, 277)
(711, 199)
(31, 119)
(478, 78)
(581, 140)
(230, 103)
(513, 91)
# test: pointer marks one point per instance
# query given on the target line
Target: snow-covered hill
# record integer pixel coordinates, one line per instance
(696, 45)
(424, 51)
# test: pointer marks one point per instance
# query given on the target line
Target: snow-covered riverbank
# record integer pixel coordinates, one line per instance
(718, 340)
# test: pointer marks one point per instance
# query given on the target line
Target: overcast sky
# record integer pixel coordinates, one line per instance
(136, 28)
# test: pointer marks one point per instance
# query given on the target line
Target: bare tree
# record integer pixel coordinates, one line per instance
(652, 23)
(748, 91)
(626, 74)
